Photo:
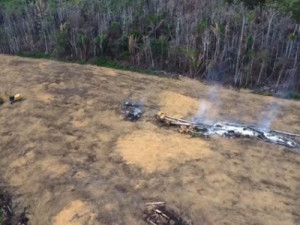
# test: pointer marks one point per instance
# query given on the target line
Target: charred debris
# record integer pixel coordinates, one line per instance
(7, 214)
(228, 130)
(132, 111)
(157, 213)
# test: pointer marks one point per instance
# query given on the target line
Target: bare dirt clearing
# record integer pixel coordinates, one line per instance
(67, 152)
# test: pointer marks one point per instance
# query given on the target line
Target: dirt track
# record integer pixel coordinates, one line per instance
(67, 153)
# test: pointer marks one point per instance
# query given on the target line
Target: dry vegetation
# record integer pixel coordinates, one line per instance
(67, 153)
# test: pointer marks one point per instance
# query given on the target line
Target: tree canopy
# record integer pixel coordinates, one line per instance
(246, 43)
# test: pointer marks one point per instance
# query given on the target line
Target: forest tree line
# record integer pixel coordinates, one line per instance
(245, 43)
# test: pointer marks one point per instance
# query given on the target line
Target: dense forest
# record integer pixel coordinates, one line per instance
(246, 43)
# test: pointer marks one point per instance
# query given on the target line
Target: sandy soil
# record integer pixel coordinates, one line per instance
(67, 153)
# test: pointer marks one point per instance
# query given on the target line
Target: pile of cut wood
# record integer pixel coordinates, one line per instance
(230, 131)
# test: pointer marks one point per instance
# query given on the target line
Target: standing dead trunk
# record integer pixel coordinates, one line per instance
(260, 72)
(237, 66)
(269, 26)
(280, 76)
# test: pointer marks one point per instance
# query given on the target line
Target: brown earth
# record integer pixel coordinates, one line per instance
(68, 154)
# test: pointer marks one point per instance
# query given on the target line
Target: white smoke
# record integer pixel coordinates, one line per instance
(267, 116)
(204, 111)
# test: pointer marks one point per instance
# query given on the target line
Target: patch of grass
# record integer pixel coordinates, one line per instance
(101, 61)
(1, 217)
(34, 55)
(12, 5)
(292, 95)
(80, 61)
(264, 93)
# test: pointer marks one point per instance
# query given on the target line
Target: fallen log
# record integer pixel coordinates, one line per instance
(230, 131)
(286, 133)
(155, 203)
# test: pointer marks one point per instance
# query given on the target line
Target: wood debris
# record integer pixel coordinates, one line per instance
(8, 216)
(158, 214)
(229, 130)
(132, 111)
